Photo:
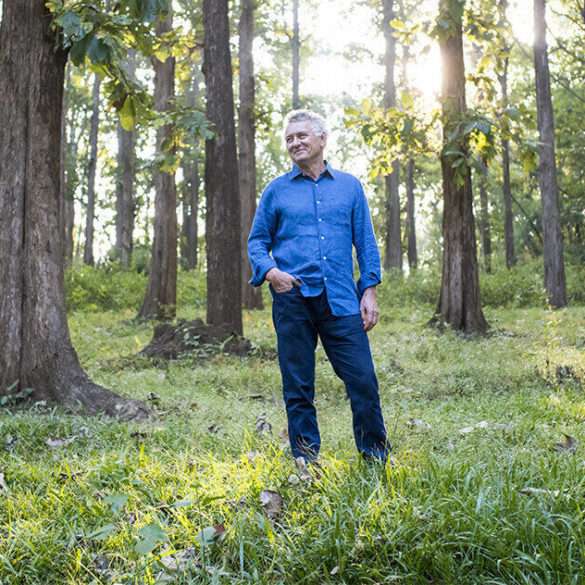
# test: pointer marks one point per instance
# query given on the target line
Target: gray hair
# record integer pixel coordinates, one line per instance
(317, 122)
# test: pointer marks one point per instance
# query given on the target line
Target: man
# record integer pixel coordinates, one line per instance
(301, 243)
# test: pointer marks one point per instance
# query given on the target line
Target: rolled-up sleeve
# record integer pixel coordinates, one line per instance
(364, 241)
(261, 238)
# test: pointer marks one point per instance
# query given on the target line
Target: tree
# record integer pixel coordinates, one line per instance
(191, 184)
(459, 299)
(126, 171)
(393, 255)
(295, 44)
(161, 294)
(505, 146)
(223, 218)
(36, 351)
(554, 266)
(411, 215)
(251, 296)
(91, 172)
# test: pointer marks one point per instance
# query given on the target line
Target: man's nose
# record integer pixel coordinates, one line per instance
(295, 141)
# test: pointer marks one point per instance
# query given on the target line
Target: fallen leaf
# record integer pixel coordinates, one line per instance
(211, 534)
(335, 570)
(294, 479)
(532, 491)
(417, 422)
(263, 427)
(568, 445)
(3, 485)
(179, 561)
(10, 441)
(304, 473)
(272, 503)
(57, 443)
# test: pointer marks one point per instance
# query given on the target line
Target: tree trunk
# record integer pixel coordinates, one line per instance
(506, 184)
(126, 172)
(190, 194)
(223, 217)
(459, 300)
(296, 57)
(484, 224)
(554, 266)
(91, 171)
(161, 294)
(251, 295)
(35, 348)
(393, 252)
(411, 216)
(66, 207)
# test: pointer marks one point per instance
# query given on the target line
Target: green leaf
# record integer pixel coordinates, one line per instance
(103, 532)
(211, 534)
(128, 114)
(117, 502)
(71, 24)
(150, 537)
(79, 49)
(98, 51)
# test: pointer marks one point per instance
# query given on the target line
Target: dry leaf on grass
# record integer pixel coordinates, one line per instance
(263, 427)
(211, 534)
(532, 491)
(272, 503)
(57, 443)
(567, 445)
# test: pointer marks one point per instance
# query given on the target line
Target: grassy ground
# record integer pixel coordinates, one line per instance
(480, 493)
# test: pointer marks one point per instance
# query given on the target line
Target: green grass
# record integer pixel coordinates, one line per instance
(451, 511)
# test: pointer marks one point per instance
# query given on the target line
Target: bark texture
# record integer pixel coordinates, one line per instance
(161, 294)
(296, 57)
(190, 190)
(484, 223)
(411, 216)
(506, 184)
(554, 265)
(35, 348)
(393, 252)
(91, 172)
(251, 295)
(125, 200)
(459, 300)
(223, 218)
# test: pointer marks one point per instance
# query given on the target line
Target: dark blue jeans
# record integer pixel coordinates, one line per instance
(298, 321)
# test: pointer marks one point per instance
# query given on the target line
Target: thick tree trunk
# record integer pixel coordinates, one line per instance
(459, 301)
(190, 191)
(223, 218)
(554, 265)
(66, 206)
(161, 294)
(393, 252)
(484, 224)
(251, 295)
(35, 348)
(296, 57)
(411, 216)
(91, 172)
(126, 172)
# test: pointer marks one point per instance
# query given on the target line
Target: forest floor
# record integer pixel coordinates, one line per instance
(488, 486)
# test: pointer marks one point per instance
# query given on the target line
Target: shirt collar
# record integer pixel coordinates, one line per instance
(296, 171)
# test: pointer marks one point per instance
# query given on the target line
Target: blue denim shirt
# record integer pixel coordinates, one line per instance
(307, 228)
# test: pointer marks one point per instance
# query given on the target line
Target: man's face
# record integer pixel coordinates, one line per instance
(303, 145)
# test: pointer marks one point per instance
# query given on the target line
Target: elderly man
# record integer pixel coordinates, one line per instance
(301, 243)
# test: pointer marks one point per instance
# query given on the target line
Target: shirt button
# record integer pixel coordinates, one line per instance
(320, 219)
(324, 257)
(318, 200)
(322, 237)
(324, 278)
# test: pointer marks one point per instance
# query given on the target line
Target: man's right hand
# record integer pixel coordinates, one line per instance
(281, 281)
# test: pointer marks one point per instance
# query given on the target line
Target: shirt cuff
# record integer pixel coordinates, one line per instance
(366, 282)
(260, 271)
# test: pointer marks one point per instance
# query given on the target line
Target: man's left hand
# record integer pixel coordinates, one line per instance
(369, 308)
